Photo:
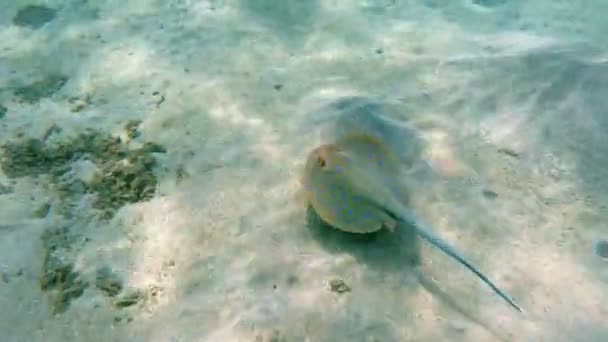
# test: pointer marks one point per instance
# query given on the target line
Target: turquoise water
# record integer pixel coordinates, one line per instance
(152, 153)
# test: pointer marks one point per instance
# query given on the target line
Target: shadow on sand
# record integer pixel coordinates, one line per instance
(397, 252)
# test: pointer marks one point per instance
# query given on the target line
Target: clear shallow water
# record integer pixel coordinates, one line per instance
(509, 96)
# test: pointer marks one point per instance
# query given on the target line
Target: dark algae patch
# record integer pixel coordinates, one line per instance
(132, 128)
(490, 3)
(3, 111)
(129, 298)
(108, 281)
(58, 276)
(126, 180)
(34, 16)
(43, 88)
(338, 286)
(125, 175)
(489, 194)
(121, 175)
(28, 158)
(601, 249)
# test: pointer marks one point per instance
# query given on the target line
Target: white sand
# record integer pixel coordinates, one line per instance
(228, 249)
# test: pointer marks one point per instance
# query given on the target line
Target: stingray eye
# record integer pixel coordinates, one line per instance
(321, 162)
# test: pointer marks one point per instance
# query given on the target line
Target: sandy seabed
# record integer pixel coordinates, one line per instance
(510, 97)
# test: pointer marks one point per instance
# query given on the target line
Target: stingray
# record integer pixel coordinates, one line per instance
(355, 182)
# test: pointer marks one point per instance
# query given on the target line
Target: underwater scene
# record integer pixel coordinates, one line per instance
(304, 170)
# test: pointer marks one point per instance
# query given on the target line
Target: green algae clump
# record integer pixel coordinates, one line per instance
(125, 175)
(40, 89)
(58, 275)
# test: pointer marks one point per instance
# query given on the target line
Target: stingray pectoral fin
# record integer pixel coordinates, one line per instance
(364, 219)
(353, 214)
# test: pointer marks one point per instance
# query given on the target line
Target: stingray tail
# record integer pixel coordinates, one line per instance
(439, 243)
